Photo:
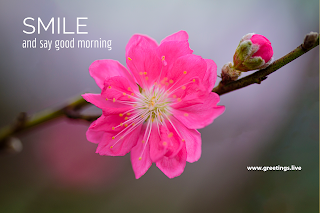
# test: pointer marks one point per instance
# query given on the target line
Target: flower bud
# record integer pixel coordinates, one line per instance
(253, 52)
(228, 73)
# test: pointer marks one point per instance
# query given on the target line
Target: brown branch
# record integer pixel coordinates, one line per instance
(24, 122)
(311, 41)
(71, 110)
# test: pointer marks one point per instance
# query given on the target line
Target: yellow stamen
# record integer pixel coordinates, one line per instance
(184, 72)
(183, 140)
(120, 114)
(145, 73)
(163, 58)
(128, 113)
(140, 158)
(129, 88)
(111, 147)
(164, 143)
(106, 98)
(129, 58)
(126, 125)
(124, 94)
(113, 137)
(194, 80)
(170, 134)
(183, 87)
(126, 118)
(112, 128)
(114, 100)
(171, 81)
(121, 124)
(142, 141)
(109, 87)
(186, 114)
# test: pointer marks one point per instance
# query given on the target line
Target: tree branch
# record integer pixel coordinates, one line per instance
(71, 110)
(23, 122)
(311, 41)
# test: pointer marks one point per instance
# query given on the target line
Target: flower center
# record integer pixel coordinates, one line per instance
(149, 106)
(153, 104)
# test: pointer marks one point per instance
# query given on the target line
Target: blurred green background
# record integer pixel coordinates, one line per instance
(275, 123)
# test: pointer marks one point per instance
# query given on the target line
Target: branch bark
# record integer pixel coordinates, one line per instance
(310, 42)
(71, 109)
(24, 122)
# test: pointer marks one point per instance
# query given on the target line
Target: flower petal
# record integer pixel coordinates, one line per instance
(92, 134)
(104, 124)
(210, 77)
(192, 140)
(102, 69)
(118, 146)
(95, 99)
(119, 88)
(188, 99)
(178, 36)
(185, 69)
(173, 167)
(168, 143)
(140, 166)
(157, 149)
(143, 60)
(200, 115)
(108, 107)
(107, 131)
(265, 50)
(170, 51)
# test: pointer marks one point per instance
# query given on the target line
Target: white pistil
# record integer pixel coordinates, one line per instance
(149, 106)
(147, 134)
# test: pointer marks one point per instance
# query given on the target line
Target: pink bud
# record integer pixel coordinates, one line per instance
(253, 52)
(265, 50)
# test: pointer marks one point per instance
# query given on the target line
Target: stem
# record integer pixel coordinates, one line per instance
(261, 75)
(70, 110)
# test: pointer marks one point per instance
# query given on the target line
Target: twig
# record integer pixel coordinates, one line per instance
(311, 41)
(23, 122)
(71, 110)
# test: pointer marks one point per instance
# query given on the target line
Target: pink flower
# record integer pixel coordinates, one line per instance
(156, 120)
(253, 52)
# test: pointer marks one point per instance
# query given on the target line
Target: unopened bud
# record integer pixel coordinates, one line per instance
(228, 73)
(309, 40)
(253, 52)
